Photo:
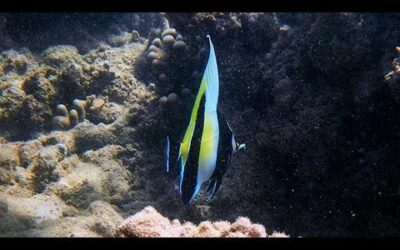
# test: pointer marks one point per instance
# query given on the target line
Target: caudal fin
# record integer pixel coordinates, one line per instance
(213, 187)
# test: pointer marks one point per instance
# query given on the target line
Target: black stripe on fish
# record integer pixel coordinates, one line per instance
(224, 156)
(191, 167)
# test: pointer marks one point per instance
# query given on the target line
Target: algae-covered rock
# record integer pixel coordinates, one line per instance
(29, 152)
(81, 185)
(25, 212)
(9, 160)
(118, 40)
(99, 220)
(58, 55)
(106, 218)
(45, 169)
(69, 177)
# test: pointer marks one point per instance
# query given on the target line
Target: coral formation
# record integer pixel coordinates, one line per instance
(70, 182)
(61, 75)
(170, 60)
(393, 77)
(150, 223)
(65, 119)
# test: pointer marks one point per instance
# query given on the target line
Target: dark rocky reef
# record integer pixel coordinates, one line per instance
(307, 94)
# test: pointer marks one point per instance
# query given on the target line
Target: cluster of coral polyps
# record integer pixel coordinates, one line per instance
(150, 223)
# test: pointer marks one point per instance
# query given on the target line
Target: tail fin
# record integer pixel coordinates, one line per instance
(213, 187)
(210, 189)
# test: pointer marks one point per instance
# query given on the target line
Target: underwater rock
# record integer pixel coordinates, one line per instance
(15, 62)
(48, 165)
(136, 37)
(107, 113)
(29, 152)
(97, 104)
(16, 102)
(25, 212)
(150, 223)
(392, 78)
(59, 73)
(179, 45)
(53, 219)
(44, 171)
(163, 77)
(351, 54)
(185, 92)
(163, 100)
(172, 97)
(119, 40)
(9, 160)
(81, 186)
(106, 218)
(58, 55)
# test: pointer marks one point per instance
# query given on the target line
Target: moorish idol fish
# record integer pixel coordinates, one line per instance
(209, 143)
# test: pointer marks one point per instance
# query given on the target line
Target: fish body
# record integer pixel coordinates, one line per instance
(199, 148)
(226, 149)
(206, 149)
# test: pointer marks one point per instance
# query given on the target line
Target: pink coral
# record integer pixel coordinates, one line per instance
(150, 223)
